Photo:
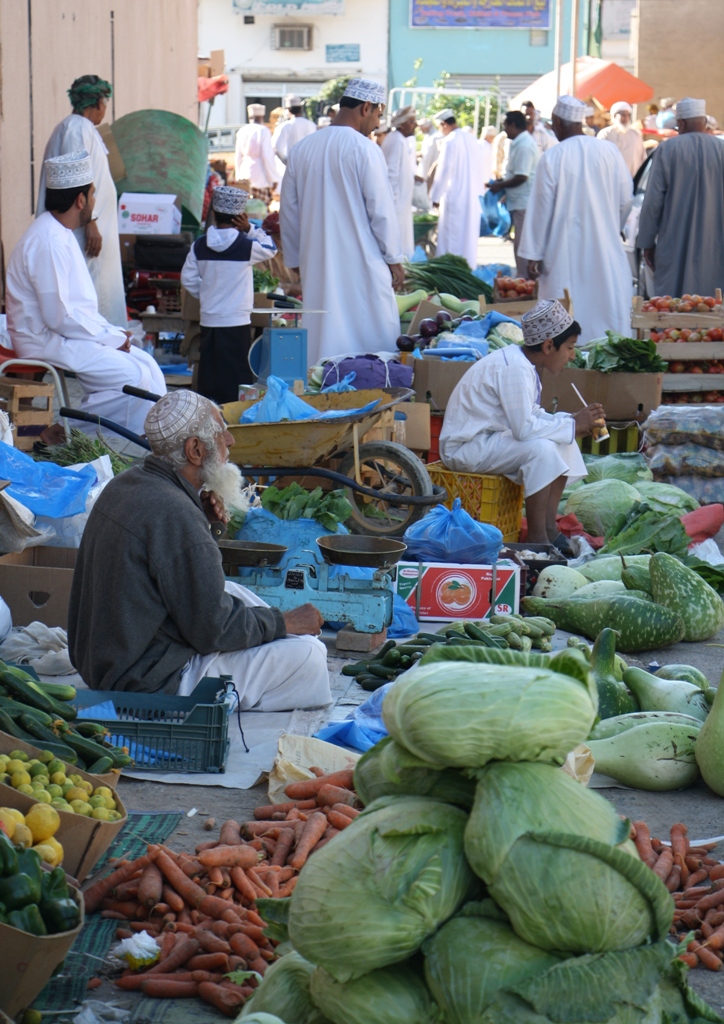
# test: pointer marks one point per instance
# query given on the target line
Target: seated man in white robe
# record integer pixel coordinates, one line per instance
(494, 423)
(52, 306)
(150, 609)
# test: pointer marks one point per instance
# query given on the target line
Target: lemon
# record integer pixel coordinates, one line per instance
(19, 755)
(32, 1017)
(103, 791)
(56, 765)
(62, 805)
(19, 778)
(7, 822)
(67, 786)
(23, 836)
(101, 814)
(47, 854)
(81, 807)
(47, 757)
(87, 786)
(43, 821)
(54, 791)
(98, 801)
(37, 768)
(26, 790)
(58, 778)
(115, 815)
(53, 843)
(14, 765)
(4, 759)
(76, 779)
(18, 815)
(40, 780)
(42, 796)
(76, 793)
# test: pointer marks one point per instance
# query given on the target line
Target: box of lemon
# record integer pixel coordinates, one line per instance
(88, 815)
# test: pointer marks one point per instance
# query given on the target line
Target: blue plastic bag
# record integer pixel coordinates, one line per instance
(362, 728)
(445, 535)
(342, 385)
(490, 271)
(43, 487)
(404, 622)
(419, 255)
(497, 214)
(279, 403)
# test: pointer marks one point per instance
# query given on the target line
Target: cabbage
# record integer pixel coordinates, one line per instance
(471, 958)
(387, 769)
(464, 715)
(392, 995)
(598, 505)
(666, 498)
(557, 858)
(627, 466)
(284, 991)
(372, 897)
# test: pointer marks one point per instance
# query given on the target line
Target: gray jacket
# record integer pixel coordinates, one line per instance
(148, 588)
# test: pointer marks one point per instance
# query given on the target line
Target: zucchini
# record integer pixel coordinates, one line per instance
(101, 766)
(11, 727)
(58, 691)
(17, 683)
(642, 625)
(38, 730)
(87, 749)
(15, 710)
(89, 729)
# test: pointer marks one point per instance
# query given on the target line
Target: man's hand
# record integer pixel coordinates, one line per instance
(93, 240)
(398, 275)
(304, 621)
(214, 507)
(126, 346)
(650, 257)
(534, 270)
(586, 419)
(241, 222)
(496, 186)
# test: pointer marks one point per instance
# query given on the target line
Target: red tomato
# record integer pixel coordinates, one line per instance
(685, 334)
(663, 305)
(696, 369)
(716, 334)
(711, 302)
(677, 368)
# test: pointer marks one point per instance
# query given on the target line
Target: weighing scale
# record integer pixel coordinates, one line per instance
(367, 604)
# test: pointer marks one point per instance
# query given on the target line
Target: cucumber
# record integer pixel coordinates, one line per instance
(89, 729)
(38, 730)
(354, 670)
(12, 728)
(101, 766)
(15, 710)
(58, 691)
(642, 625)
(17, 683)
(392, 659)
(87, 749)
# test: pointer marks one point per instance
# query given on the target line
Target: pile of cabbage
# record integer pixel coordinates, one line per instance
(481, 884)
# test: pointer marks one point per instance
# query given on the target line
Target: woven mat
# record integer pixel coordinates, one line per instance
(90, 948)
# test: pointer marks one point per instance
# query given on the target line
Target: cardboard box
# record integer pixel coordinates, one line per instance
(110, 779)
(624, 396)
(417, 425)
(35, 584)
(149, 213)
(84, 840)
(29, 961)
(435, 380)
(444, 590)
(426, 310)
(515, 308)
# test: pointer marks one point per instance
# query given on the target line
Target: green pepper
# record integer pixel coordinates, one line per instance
(8, 856)
(28, 920)
(54, 885)
(61, 915)
(29, 863)
(25, 886)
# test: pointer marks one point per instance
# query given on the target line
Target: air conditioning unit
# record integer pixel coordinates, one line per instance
(292, 37)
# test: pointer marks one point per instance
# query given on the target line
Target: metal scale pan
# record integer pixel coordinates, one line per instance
(237, 553)
(354, 549)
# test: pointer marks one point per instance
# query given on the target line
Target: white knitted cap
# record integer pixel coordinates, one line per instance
(688, 108)
(175, 418)
(568, 108)
(366, 90)
(70, 171)
(403, 115)
(621, 107)
(546, 320)
(228, 199)
(256, 110)
(292, 100)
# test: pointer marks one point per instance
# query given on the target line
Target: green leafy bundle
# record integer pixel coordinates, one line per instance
(448, 273)
(264, 281)
(642, 529)
(625, 355)
(82, 448)
(294, 502)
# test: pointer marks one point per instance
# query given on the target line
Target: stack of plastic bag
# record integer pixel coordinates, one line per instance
(686, 449)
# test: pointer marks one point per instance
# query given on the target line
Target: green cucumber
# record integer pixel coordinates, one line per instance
(17, 683)
(38, 730)
(15, 710)
(354, 670)
(87, 749)
(89, 729)
(101, 766)
(58, 691)
(11, 727)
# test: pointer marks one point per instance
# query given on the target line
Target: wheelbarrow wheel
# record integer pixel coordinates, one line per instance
(389, 468)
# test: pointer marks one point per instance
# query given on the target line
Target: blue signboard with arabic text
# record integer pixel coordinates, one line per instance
(526, 14)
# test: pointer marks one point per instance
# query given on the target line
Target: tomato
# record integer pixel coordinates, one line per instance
(677, 368)
(711, 302)
(696, 369)
(685, 307)
(711, 396)
(715, 368)
(663, 305)
(715, 334)
(685, 334)
(686, 298)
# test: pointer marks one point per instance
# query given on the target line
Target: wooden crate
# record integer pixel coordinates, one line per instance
(644, 323)
(693, 382)
(685, 351)
(28, 420)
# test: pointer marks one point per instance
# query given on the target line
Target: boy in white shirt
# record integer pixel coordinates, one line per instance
(218, 271)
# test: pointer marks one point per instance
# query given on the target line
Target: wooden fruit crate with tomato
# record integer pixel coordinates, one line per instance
(508, 289)
(695, 313)
(686, 350)
(705, 377)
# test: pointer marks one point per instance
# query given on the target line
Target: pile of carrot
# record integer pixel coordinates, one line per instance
(201, 908)
(695, 880)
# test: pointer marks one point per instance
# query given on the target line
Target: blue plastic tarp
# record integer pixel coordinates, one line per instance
(43, 487)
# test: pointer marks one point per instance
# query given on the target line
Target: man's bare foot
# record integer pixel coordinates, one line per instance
(54, 434)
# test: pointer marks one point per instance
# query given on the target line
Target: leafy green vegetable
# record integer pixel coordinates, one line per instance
(599, 505)
(264, 281)
(642, 529)
(625, 355)
(666, 498)
(240, 977)
(371, 898)
(711, 574)
(388, 769)
(392, 995)
(627, 466)
(447, 273)
(294, 502)
(284, 991)
(82, 448)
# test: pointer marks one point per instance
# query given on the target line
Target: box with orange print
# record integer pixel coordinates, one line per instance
(445, 590)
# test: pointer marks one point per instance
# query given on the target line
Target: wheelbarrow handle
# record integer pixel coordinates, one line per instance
(128, 389)
(101, 421)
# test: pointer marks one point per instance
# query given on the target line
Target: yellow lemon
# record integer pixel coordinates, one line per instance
(7, 822)
(86, 785)
(115, 815)
(76, 779)
(56, 765)
(103, 791)
(19, 755)
(47, 854)
(23, 836)
(101, 814)
(76, 793)
(67, 786)
(58, 777)
(81, 807)
(32, 1017)
(19, 778)
(53, 843)
(40, 781)
(42, 796)
(14, 765)
(4, 759)
(62, 805)
(27, 790)
(18, 815)
(43, 821)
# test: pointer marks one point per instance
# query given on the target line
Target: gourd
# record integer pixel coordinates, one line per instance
(610, 567)
(656, 694)
(683, 591)
(710, 744)
(685, 672)
(558, 581)
(601, 588)
(613, 697)
(636, 577)
(656, 756)
(641, 625)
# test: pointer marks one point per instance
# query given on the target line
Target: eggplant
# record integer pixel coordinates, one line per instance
(417, 338)
(428, 328)
(405, 343)
(442, 318)
(463, 319)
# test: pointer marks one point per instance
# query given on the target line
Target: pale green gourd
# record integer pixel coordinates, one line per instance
(656, 756)
(655, 694)
(710, 744)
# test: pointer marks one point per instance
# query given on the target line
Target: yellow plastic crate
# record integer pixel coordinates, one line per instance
(489, 499)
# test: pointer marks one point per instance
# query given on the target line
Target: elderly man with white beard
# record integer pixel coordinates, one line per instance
(150, 608)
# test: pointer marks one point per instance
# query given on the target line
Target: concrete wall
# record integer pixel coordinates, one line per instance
(679, 50)
(146, 48)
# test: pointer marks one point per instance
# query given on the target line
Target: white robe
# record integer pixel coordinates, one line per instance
(494, 424)
(429, 152)
(580, 199)
(53, 315)
(339, 226)
(486, 148)
(401, 169)
(255, 156)
(457, 188)
(287, 134)
(629, 143)
(73, 133)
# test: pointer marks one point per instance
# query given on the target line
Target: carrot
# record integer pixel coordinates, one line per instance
(170, 896)
(151, 886)
(690, 918)
(664, 864)
(672, 882)
(351, 812)
(133, 982)
(208, 845)
(256, 880)
(288, 888)
(143, 926)
(690, 959)
(709, 959)
(226, 1000)
(214, 907)
(715, 899)
(126, 890)
(255, 933)
(313, 832)
(112, 915)
(253, 918)
(679, 842)
(308, 789)
(717, 872)
(167, 944)
(190, 892)
(694, 863)
(161, 910)
(220, 929)
(215, 876)
(160, 988)
(715, 938)
(642, 841)
(211, 943)
(243, 946)
(339, 820)
(212, 976)
(267, 811)
(259, 965)
(330, 795)
(209, 962)
(185, 948)
(229, 857)
(230, 834)
(319, 772)
(96, 893)
(94, 983)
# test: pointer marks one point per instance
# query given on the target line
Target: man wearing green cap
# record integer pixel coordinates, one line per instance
(98, 240)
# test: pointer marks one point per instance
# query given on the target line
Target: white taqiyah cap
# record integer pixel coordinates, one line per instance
(568, 108)
(256, 110)
(366, 90)
(546, 320)
(175, 418)
(70, 171)
(402, 115)
(424, 122)
(292, 100)
(621, 107)
(688, 108)
(228, 199)
(444, 115)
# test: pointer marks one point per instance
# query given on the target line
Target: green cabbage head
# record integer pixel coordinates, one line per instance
(389, 880)
(472, 957)
(387, 769)
(557, 858)
(392, 995)
(464, 715)
(284, 991)
(599, 505)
